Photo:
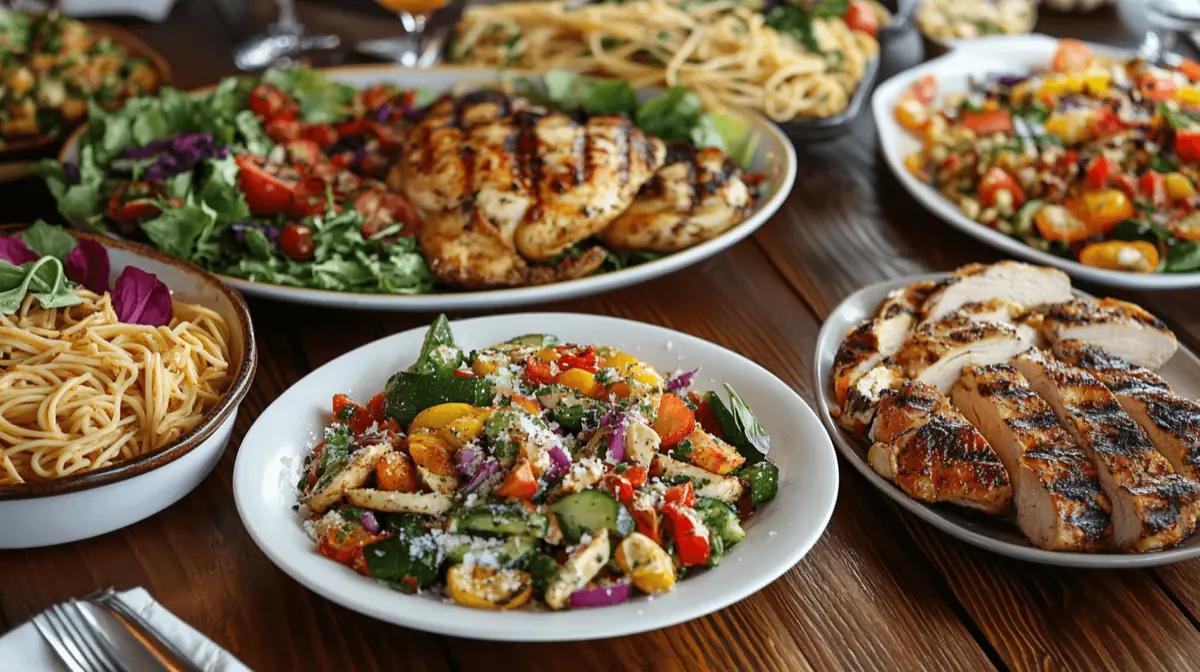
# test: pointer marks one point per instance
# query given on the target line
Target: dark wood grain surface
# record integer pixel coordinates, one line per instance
(881, 590)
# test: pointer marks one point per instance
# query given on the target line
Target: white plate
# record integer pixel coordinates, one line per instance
(774, 158)
(1183, 372)
(779, 534)
(979, 58)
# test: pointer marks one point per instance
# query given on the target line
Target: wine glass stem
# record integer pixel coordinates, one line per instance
(414, 25)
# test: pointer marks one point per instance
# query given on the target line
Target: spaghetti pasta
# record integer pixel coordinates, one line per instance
(721, 50)
(80, 390)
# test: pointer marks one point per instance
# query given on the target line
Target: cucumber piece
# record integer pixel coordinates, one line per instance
(716, 549)
(1024, 218)
(585, 512)
(437, 352)
(504, 432)
(722, 519)
(403, 561)
(542, 569)
(408, 393)
(534, 340)
(501, 519)
(740, 427)
(763, 481)
(515, 551)
(573, 418)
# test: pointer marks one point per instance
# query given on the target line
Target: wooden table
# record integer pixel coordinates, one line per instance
(880, 590)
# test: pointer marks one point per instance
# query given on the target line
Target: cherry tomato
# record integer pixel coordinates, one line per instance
(134, 202)
(1152, 185)
(351, 413)
(268, 191)
(1135, 256)
(1099, 172)
(1056, 222)
(376, 407)
(1187, 144)
(996, 180)
(538, 371)
(269, 102)
(575, 358)
(382, 209)
(861, 16)
(322, 134)
(1102, 210)
(296, 242)
(310, 197)
(1106, 122)
(1072, 55)
(986, 123)
(924, 89)
(346, 545)
(282, 130)
(1190, 69)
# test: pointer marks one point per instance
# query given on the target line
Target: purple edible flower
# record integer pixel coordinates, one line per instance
(15, 251)
(141, 298)
(559, 462)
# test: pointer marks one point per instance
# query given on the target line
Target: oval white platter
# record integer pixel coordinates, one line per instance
(996, 535)
(778, 535)
(979, 58)
(774, 157)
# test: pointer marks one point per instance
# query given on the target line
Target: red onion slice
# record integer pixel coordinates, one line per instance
(465, 459)
(680, 381)
(485, 470)
(560, 462)
(600, 596)
(369, 522)
(616, 442)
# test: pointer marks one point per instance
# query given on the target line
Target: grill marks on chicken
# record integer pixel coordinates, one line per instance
(1171, 422)
(1153, 507)
(696, 196)
(930, 451)
(1060, 505)
(504, 188)
(937, 352)
(1029, 286)
(1122, 328)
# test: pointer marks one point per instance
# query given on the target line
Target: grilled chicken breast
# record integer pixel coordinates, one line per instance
(1060, 506)
(937, 352)
(935, 455)
(865, 394)
(1171, 422)
(1124, 329)
(1153, 507)
(907, 300)
(499, 189)
(1023, 284)
(697, 195)
(865, 347)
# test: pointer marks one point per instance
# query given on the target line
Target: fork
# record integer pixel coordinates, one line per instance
(77, 640)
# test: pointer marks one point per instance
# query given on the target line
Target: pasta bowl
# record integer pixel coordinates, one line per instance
(85, 505)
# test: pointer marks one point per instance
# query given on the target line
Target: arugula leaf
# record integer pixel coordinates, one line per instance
(250, 127)
(795, 23)
(1136, 229)
(829, 9)
(176, 230)
(150, 126)
(48, 240)
(321, 99)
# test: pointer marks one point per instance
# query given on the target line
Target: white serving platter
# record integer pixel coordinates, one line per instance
(998, 536)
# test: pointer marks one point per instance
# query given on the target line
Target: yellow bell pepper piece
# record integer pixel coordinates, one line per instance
(481, 587)
(1070, 127)
(915, 163)
(483, 367)
(437, 417)
(1136, 256)
(1097, 85)
(464, 429)
(645, 563)
(547, 354)
(581, 381)
(1179, 187)
(1188, 96)
(1102, 210)
(1188, 227)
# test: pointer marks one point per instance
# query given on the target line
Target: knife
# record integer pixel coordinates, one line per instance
(157, 645)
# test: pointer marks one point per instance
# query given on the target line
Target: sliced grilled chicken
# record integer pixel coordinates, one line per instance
(940, 457)
(910, 408)
(1171, 422)
(1029, 325)
(907, 300)
(1124, 329)
(865, 347)
(1024, 284)
(865, 394)
(1153, 507)
(937, 352)
(498, 190)
(992, 310)
(697, 195)
(1060, 506)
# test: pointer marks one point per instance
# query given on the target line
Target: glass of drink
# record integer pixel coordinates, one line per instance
(413, 15)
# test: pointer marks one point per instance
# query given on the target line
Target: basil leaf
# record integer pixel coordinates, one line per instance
(45, 278)
(749, 431)
(48, 240)
(1182, 257)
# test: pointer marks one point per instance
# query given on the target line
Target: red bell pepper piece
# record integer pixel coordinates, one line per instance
(352, 414)
(682, 495)
(689, 534)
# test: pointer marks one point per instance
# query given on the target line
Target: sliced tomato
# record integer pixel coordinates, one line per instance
(303, 152)
(575, 358)
(1106, 122)
(382, 209)
(986, 123)
(924, 89)
(996, 180)
(1072, 56)
(1153, 186)
(519, 483)
(1134, 256)
(675, 421)
(352, 414)
(1099, 172)
(1187, 144)
(1056, 222)
(323, 135)
(269, 102)
(282, 130)
(268, 191)
(133, 212)
(310, 197)
(1102, 210)
(861, 16)
(538, 371)
(297, 243)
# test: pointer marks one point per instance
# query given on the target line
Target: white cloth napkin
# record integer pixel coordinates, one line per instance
(24, 649)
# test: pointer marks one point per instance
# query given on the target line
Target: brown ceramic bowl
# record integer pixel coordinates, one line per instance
(92, 503)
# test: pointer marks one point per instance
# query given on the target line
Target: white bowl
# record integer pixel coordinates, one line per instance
(778, 535)
(1009, 54)
(91, 504)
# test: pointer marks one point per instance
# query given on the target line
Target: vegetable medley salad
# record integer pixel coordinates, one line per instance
(1089, 159)
(532, 472)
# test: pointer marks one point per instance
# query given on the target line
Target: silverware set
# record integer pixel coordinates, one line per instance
(82, 645)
